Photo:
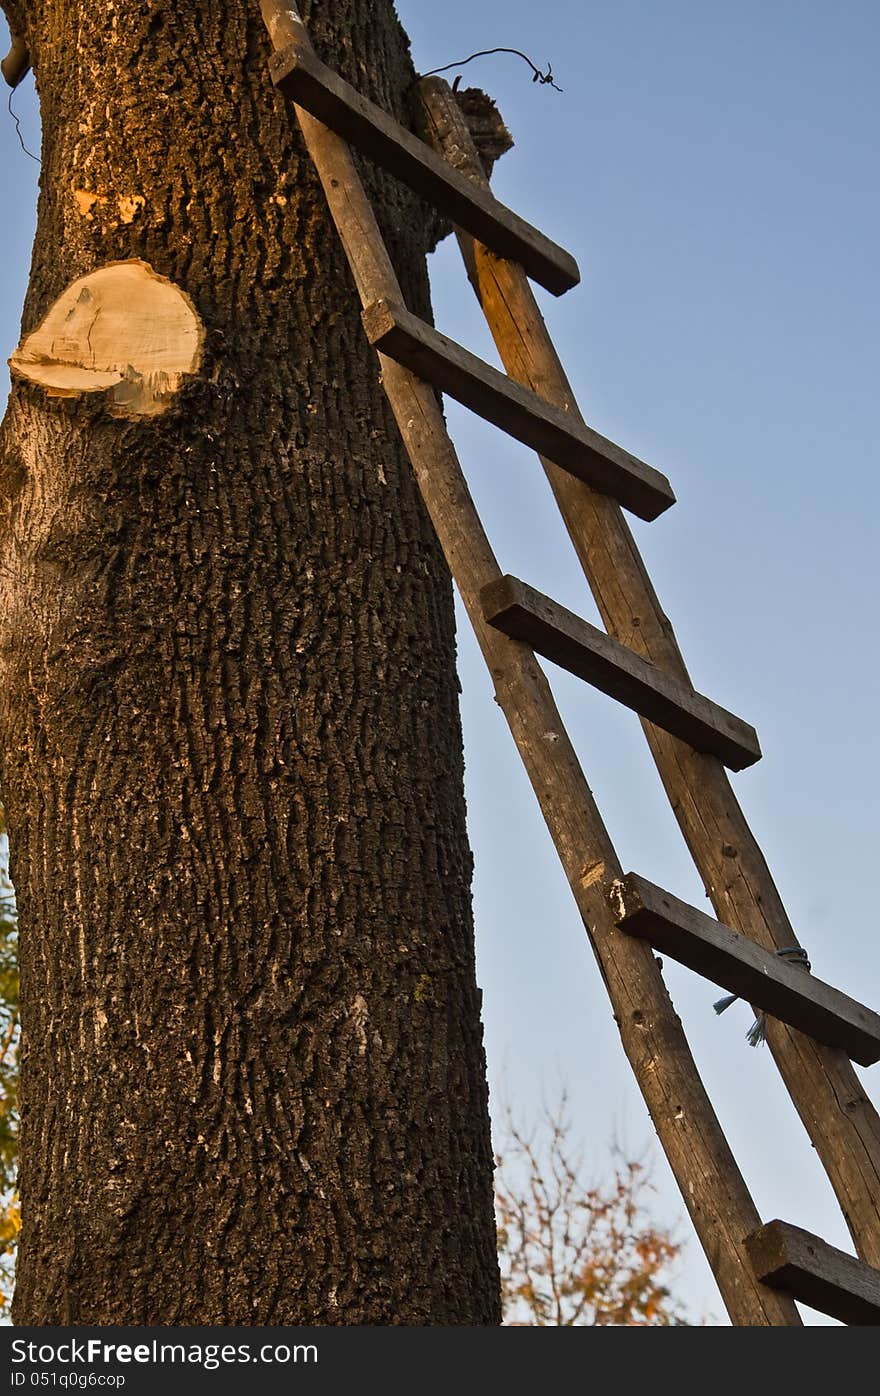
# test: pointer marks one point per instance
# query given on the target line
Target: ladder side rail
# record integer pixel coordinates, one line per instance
(701, 1160)
(838, 1115)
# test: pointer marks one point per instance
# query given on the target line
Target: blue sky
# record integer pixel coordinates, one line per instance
(713, 169)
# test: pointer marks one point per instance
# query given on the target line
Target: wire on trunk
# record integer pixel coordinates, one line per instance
(14, 116)
(537, 75)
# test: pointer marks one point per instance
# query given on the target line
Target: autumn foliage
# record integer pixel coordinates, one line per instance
(574, 1253)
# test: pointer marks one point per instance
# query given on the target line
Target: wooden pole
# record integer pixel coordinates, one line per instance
(711, 1184)
(838, 1116)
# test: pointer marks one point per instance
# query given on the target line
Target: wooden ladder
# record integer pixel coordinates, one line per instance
(815, 1032)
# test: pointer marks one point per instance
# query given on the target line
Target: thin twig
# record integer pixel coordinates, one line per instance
(14, 116)
(537, 75)
(7, 1041)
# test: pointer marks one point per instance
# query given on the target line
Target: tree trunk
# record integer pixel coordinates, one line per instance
(253, 1086)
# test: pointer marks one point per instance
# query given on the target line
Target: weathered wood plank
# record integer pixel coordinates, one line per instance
(521, 413)
(712, 1186)
(815, 1273)
(558, 634)
(730, 959)
(822, 1081)
(300, 75)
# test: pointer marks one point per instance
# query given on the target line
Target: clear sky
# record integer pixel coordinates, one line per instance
(713, 169)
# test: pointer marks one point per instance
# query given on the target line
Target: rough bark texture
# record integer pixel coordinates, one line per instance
(253, 1084)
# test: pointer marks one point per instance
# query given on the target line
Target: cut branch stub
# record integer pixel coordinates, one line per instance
(17, 63)
(123, 330)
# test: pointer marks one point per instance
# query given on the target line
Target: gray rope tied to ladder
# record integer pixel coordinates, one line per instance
(757, 1033)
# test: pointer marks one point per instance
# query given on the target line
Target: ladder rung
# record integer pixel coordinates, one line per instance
(521, 413)
(560, 635)
(763, 979)
(300, 75)
(815, 1273)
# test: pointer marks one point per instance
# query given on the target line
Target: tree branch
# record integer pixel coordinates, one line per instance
(17, 62)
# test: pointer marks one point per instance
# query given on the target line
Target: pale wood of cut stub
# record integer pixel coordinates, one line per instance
(124, 331)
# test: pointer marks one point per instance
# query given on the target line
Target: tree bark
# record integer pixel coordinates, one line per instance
(253, 1085)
